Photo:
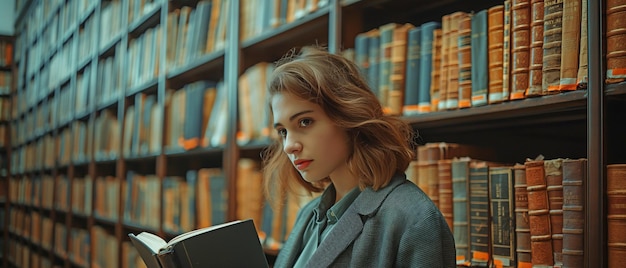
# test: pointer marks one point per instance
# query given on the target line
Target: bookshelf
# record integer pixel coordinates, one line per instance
(88, 71)
(6, 97)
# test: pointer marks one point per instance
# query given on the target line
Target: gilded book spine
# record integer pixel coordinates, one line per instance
(536, 49)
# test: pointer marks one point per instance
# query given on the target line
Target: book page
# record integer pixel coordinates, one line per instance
(152, 241)
(199, 231)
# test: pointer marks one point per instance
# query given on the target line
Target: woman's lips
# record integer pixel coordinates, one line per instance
(302, 164)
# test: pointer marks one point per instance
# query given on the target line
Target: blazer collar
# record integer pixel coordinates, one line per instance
(351, 223)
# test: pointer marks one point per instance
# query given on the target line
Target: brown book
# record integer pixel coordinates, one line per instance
(465, 61)
(495, 27)
(452, 91)
(522, 222)
(615, 41)
(571, 31)
(616, 214)
(539, 214)
(535, 75)
(520, 35)
(444, 167)
(554, 179)
(583, 65)
(552, 37)
(574, 180)
(444, 65)
(397, 78)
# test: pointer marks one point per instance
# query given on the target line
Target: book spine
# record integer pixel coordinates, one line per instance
(615, 41)
(539, 214)
(522, 223)
(444, 65)
(411, 99)
(574, 180)
(452, 86)
(552, 37)
(427, 64)
(444, 167)
(502, 215)
(571, 31)
(465, 61)
(361, 52)
(495, 24)
(554, 180)
(479, 214)
(480, 72)
(395, 98)
(583, 65)
(616, 214)
(521, 48)
(384, 78)
(460, 207)
(435, 82)
(506, 51)
(374, 61)
(536, 49)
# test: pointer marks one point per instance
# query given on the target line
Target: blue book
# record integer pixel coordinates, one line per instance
(413, 64)
(426, 65)
(373, 58)
(480, 68)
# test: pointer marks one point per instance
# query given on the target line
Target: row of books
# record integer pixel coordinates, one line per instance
(507, 52)
(6, 53)
(515, 215)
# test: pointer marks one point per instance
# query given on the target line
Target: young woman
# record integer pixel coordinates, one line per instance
(334, 137)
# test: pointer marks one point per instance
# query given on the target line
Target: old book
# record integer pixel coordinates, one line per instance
(501, 204)
(552, 37)
(520, 35)
(374, 59)
(397, 79)
(444, 171)
(434, 84)
(554, 180)
(219, 245)
(465, 61)
(616, 214)
(384, 78)
(583, 65)
(479, 213)
(429, 66)
(444, 60)
(615, 41)
(536, 49)
(495, 47)
(522, 221)
(506, 50)
(460, 207)
(452, 84)
(411, 87)
(480, 67)
(574, 181)
(538, 213)
(570, 31)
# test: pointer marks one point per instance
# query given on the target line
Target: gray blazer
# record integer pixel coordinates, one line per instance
(396, 226)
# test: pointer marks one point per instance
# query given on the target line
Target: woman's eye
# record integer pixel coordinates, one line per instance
(305, 122)
(282, 132)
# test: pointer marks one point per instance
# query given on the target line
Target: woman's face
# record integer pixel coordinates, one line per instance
(316, 146)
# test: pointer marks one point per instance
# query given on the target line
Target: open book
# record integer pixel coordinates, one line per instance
(231, 244)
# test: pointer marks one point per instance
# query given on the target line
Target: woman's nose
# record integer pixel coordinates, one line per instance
(291, 145)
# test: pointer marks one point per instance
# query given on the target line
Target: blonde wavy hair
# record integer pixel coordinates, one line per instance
(382, 145)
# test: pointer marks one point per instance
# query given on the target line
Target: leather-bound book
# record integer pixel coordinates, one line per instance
(452, 91)
(520, 32)
(616, 214)
(522, 222)
(615, 41)
(446, 60)
(554, 180)
(465, 61)
(583, 64)
(552, 37)
(495, 46)
(506, 50)
(539, 214)
(536, 49)
(444, 167)
(571, 31)
(574, 180)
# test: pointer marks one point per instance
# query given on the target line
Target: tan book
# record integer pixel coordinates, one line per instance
(465, 61)
(444, 63)
(520, 50)
(435, 82)
(554, 180)
(452, 91)
(397, 79)
(506, 50)
(495, 43)
(522, 222)
(574, 183)
(615, 41)
(444, 168)
(571, 31)
(583, 64)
